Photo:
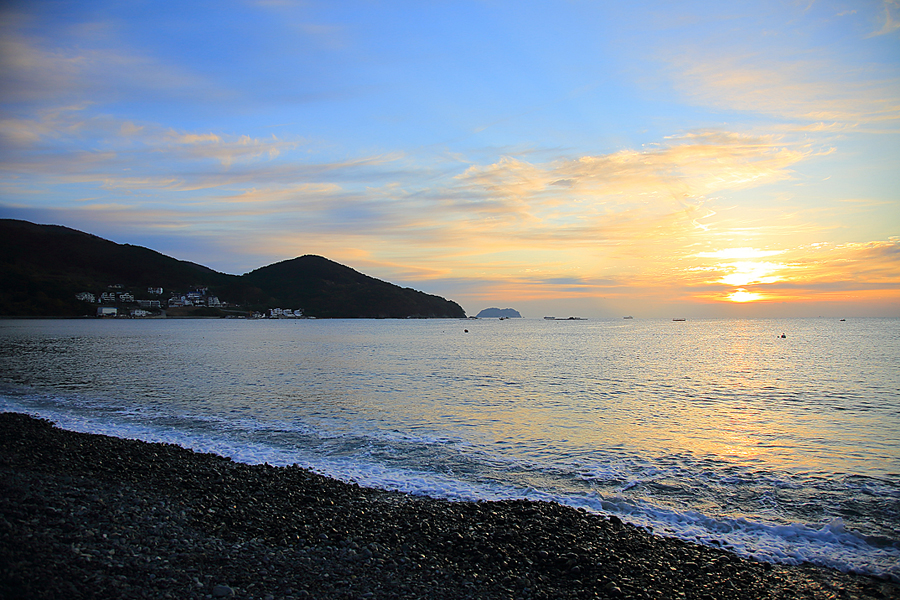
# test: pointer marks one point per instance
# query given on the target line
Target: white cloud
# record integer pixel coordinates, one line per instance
(890, 24)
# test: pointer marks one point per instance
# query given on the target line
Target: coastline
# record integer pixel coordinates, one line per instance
(91, 516)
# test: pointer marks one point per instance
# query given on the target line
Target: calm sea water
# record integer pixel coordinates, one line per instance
(717, 431)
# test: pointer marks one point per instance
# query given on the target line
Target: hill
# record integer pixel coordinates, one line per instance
(43, 267)
(327, 289)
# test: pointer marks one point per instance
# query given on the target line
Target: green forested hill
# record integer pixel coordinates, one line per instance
(43, 267)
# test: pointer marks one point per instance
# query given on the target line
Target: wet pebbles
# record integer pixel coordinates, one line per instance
(89, 516)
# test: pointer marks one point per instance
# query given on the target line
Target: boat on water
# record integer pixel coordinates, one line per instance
(679, 319)
(628, 317)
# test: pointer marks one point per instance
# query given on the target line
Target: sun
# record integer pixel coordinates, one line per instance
(742, 295)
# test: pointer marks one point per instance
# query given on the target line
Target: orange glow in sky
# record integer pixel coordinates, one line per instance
(647, 159)
(742, 295)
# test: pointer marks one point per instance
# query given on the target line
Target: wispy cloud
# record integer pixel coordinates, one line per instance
(591, 196)
(890, 24)
(811, 66)
(804, 89)
(588, 200)
(67, 145)
(43, 70)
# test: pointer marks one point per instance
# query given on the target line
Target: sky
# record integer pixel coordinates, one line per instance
(593, 159)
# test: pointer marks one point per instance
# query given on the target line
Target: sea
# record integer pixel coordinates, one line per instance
(778, 440)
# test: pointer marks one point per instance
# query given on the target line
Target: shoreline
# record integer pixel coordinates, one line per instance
(91, 516)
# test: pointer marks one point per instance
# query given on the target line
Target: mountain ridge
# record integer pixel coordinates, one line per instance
(43, 267)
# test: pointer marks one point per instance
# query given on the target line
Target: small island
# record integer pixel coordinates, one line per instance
(501, 313)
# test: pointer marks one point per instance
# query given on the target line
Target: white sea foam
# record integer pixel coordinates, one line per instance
(830, 545)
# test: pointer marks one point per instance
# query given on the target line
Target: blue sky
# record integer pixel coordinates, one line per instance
(590, 158)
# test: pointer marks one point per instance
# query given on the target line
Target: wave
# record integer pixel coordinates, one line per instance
(439, 466)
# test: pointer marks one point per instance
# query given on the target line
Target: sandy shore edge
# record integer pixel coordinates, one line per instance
(91, 516)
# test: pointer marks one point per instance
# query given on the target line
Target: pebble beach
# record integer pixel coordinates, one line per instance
(91, 516)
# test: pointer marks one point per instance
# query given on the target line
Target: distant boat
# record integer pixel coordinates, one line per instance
(627, 317)
(549, 318)
(843, 319)
(678, 319)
